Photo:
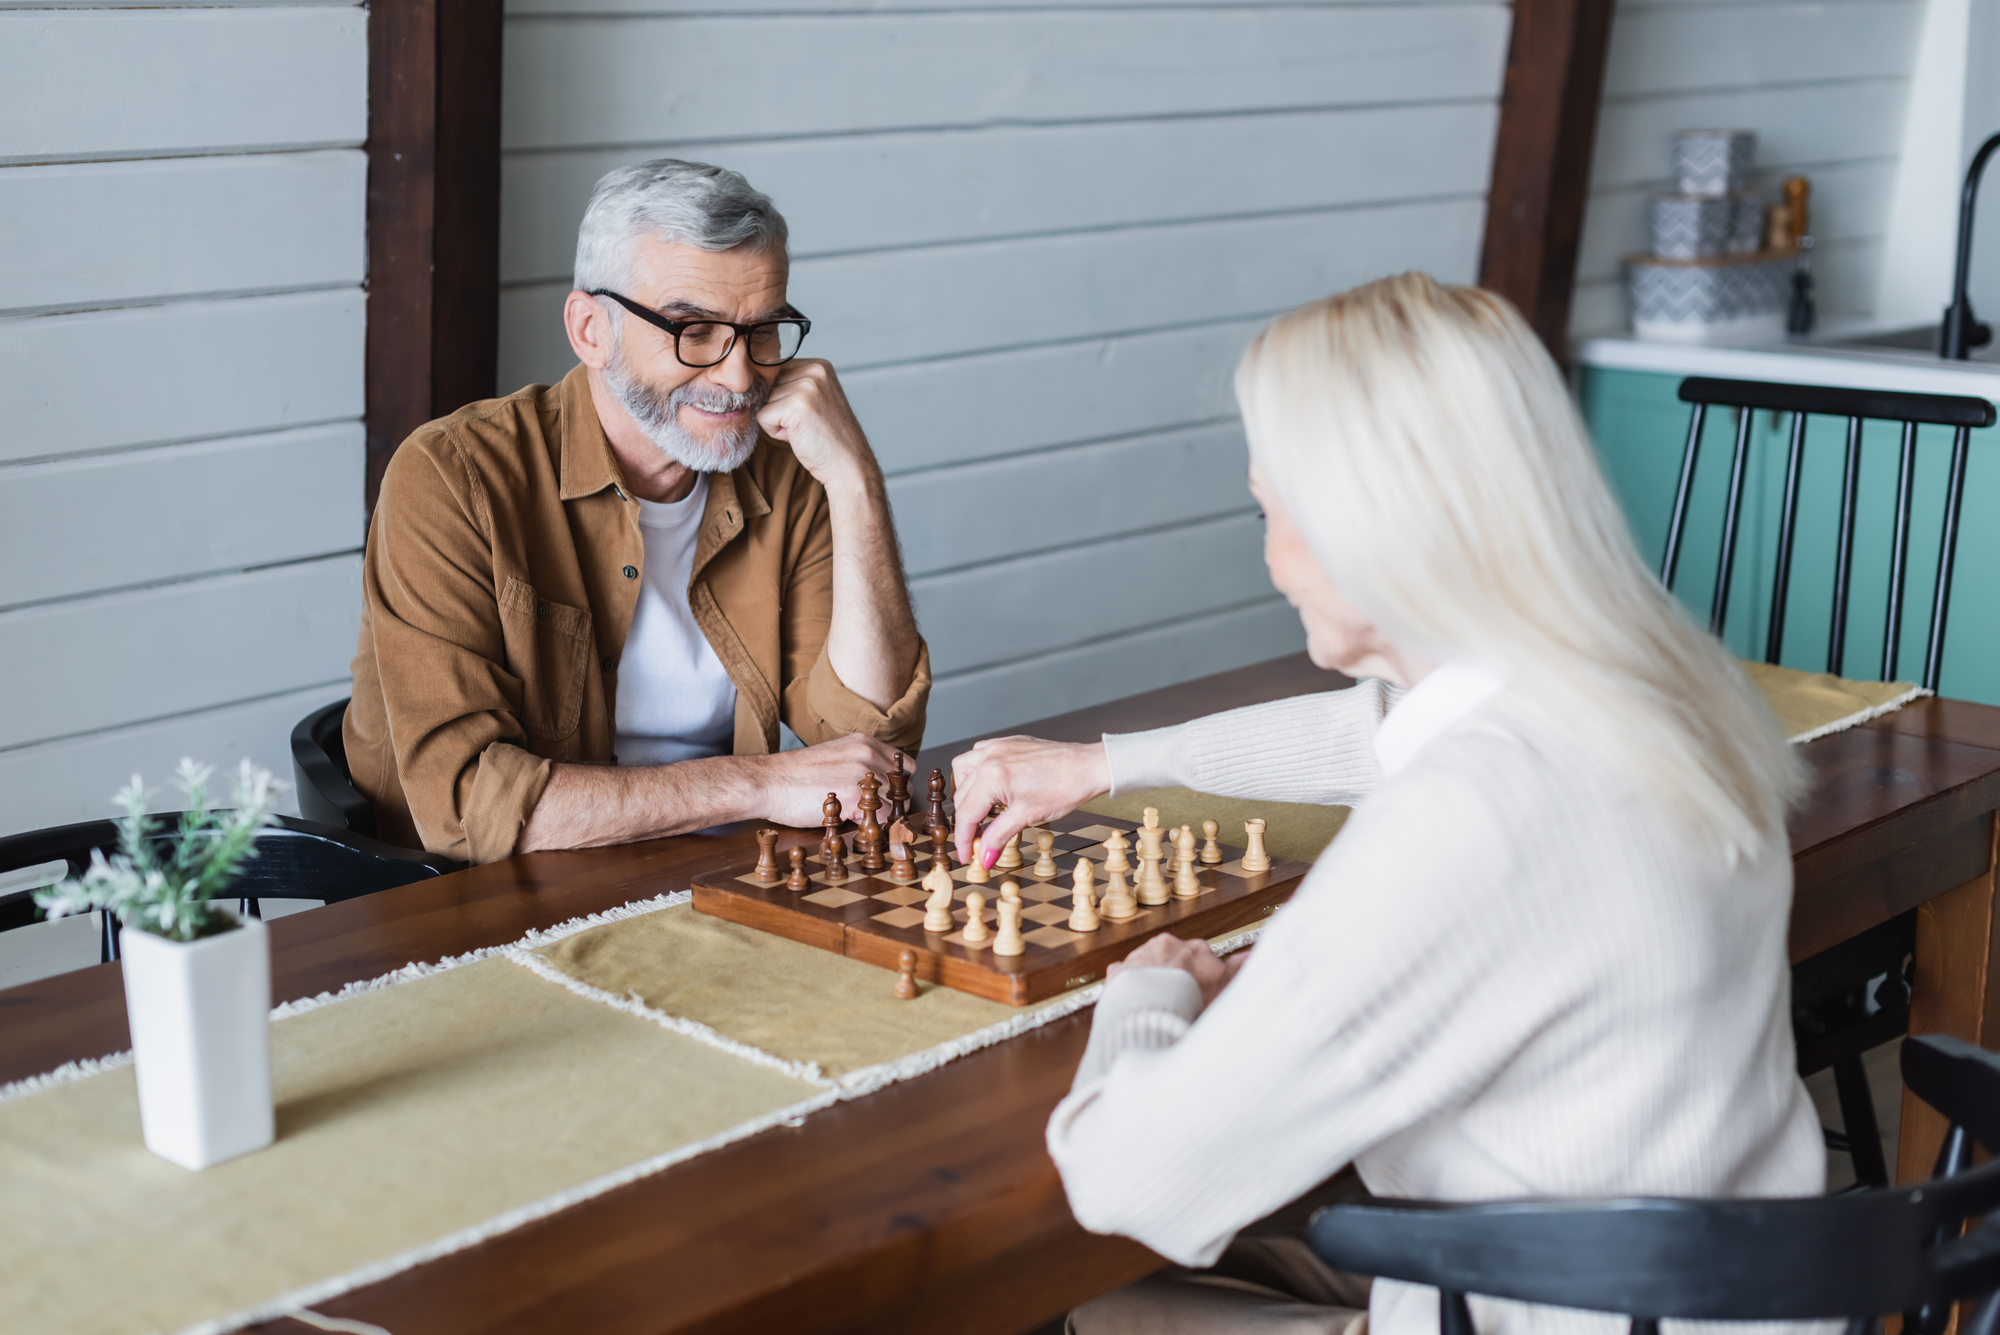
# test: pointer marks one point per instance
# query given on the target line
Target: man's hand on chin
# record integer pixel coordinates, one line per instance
(808, 411)
(796, 783)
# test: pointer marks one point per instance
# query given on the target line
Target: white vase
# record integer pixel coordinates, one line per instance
(201, 1040)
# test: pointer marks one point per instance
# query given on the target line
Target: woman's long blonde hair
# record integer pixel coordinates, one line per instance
(1424, 444)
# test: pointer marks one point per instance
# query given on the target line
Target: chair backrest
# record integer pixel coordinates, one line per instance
(296, 859)
(1856, 406)
(325, 784)
(1855, 1256)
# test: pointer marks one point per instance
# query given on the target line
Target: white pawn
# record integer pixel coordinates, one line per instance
(1211, 851)
(975, 870)
(1083, 899)
(975, 919)
(1045, 868)
(1010, 853)
(1007, 941)
(937, 909)
(1186, 884)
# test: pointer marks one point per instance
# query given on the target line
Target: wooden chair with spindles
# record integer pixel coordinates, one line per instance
(1853, 1257)
(1832, 1015)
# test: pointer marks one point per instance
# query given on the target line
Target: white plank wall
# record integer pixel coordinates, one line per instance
(1034, 241)
(1823, 83)
(181, 337)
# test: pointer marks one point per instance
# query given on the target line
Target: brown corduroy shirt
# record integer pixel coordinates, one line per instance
(500, 580)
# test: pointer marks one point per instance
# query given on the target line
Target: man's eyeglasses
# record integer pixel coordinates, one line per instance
(707, 342)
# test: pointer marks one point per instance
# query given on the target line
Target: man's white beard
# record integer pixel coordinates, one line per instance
(658, 413)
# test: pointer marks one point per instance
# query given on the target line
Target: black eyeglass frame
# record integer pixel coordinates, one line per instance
(737, 331)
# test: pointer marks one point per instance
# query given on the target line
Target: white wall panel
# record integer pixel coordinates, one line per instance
(1062, 498)
(1679, 48)
(181, 371)
(1011, 610)
(105, 83)
(105, 521)
(942, 301)
(1821, 123)
(1090, 673)
(59, 783)
(111, 233)
(585, 82)
(882, 191)
(93, 663)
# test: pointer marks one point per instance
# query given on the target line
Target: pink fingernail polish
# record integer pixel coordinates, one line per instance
(988, 856)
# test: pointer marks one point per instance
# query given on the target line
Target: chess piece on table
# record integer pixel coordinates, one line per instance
(868, 838)
(1083, 899)
(1045, 868)
(903, 867)
(829, 813)
(938, 816)
(1007, 940)
(767, 857)
(836, 863)
(1211, 851)
(1186, 884)
(899, 792)
(1152, 885)
(1255, 859)
(937, 909)
(797, 882)
(906, 977)
(975, 870)
(1114, 852)
(1151, 822)
(1118, 904)
(1010, 853)
(1010, 890)
(975, 918)
(940, 833)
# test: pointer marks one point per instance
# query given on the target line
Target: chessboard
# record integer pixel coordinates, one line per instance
(875, 917)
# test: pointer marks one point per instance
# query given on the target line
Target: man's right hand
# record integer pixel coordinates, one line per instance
(795, 783)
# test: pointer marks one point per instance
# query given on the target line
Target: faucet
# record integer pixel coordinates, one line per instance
(1961, 332)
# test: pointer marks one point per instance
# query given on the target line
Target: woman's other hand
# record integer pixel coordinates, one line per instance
(1194, 958)
(1037, 781)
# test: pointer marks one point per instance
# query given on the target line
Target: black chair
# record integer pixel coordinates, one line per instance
(296, 859)
(1832, 1013)
(1855, 1256)
(319, 765)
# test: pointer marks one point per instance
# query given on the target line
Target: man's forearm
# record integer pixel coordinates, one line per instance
(591, 806)
(872, 641)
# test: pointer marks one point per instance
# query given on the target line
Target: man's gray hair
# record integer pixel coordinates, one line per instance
(685, 203)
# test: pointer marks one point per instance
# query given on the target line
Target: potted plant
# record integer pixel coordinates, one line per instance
(197, 977)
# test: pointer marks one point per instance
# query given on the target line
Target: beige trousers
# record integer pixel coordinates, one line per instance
(1267, 1283)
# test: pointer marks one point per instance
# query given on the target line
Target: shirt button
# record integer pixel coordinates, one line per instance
(542, 610)
(609, 662)
(631, 572)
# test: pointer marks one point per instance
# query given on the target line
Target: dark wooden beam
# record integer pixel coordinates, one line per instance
(1541, 159)
(433, 214)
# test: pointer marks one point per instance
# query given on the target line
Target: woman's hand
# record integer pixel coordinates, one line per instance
(1194, 958)
(1037, 781)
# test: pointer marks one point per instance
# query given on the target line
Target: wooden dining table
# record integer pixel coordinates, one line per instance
(932, 1205)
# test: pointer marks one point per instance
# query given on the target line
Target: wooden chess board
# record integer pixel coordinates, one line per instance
(874, 918)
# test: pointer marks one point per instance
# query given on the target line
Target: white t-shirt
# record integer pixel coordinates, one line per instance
(675, 700)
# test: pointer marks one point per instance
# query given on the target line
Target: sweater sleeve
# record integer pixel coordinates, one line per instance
(1381, 996)
(1311, 748)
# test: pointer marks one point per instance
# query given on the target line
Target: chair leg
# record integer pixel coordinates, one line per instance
(1857, 1114)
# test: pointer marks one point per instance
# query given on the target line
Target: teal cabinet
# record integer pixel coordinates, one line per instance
(1640, 429)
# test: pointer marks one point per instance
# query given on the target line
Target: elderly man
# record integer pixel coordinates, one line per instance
(588, 606)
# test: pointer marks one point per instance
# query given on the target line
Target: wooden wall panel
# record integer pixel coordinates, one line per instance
(111, 233)
(108, 83)
(90, 664)
(60, 782)
(1109, 488)
(919, 187)
(237, 502)
(294, 360)
(597, 81)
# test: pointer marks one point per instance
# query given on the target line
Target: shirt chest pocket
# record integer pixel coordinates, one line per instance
(548, 648)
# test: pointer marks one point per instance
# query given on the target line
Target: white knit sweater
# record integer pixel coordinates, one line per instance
(1508, 977)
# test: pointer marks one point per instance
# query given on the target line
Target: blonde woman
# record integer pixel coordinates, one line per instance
(1546, 956)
